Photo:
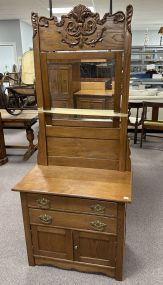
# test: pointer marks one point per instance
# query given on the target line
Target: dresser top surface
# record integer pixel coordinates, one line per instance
(78, 182)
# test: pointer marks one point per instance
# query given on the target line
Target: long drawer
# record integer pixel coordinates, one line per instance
(74, 221)
(72, 204)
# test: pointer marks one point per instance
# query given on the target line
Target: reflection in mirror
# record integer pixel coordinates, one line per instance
(84, 84)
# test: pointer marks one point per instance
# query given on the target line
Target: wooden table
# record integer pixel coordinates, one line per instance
(23, 121)
(94, 99)
(3, 156)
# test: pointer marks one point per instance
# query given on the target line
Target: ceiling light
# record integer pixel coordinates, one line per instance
(66, 10)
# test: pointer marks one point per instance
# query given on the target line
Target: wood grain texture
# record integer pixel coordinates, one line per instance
(93, 85)
(52, 242)
(73, 221)
(84, 267)
(94, 248)
(97, 92)
(83, 132)
(74, 205)
(81, 112)
(42, 141)
(60, 180)
(84, 162)
(120, 241)
(25, 213)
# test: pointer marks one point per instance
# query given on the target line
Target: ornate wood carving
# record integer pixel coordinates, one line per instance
(34, 19)
(44, 22)
(79, 25)
(129, 13)
(82, 27)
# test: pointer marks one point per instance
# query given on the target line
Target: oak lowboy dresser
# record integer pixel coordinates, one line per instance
(74, 200)
(75, 217)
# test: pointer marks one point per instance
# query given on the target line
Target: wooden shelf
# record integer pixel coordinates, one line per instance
(83, 112)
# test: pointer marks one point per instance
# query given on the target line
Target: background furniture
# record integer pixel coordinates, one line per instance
(74, 201)
(23, 121)
(153, 123)
(141, 56)
(135, 121)
(3, 156)
(21, 95)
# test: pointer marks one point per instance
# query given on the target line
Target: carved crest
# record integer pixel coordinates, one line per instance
(34, 19)
(79, 25)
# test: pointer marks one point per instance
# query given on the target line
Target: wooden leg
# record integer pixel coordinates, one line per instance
(3, 156)
(27, 230)
(135, 133)
(120, 241)
(31, 148)
(142, 135)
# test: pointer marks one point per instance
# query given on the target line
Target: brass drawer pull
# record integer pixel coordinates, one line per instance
(43, 203)
(45, 219)
(98, 208)
(98, 226)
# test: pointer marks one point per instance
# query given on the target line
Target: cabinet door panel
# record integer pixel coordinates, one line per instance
(94, 248)
(59, 81)
(52, 242)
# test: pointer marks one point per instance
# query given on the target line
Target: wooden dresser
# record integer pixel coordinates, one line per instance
(74, 218)
(74, 200)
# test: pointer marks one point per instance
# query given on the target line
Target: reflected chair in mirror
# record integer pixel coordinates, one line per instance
(22, 96)
(150, 119)
(135, 120)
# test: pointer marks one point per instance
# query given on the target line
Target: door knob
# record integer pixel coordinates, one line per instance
(75, 247)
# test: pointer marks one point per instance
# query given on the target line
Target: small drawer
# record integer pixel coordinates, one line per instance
(60, 104)
(69, 204)
(73, 221)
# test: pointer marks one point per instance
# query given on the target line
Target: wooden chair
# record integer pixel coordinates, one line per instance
(135, 121)
(152, 124)
(74, 200)
(21, 94)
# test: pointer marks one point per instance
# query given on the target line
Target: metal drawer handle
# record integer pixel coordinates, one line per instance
(45, 219)
(98, 226)
(43, 203)
(98, 208)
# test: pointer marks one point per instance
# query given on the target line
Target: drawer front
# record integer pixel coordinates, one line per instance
(60, 104)
(72, 204)
(92, 103)
(73, 221)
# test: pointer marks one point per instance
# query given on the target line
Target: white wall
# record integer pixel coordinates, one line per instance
(138, 37)
(26, 36)
(8, 57)
(10, 33)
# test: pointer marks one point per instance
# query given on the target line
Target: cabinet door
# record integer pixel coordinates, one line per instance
(52, 242)
(60, 81)
(94, 248)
